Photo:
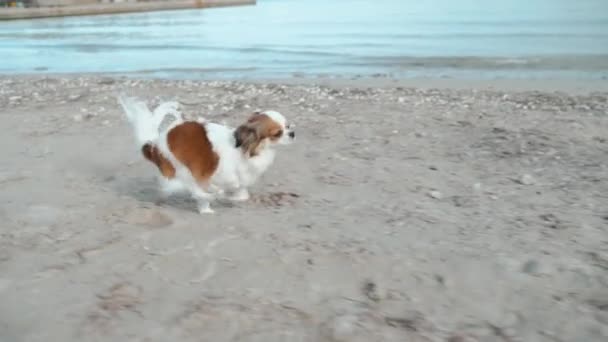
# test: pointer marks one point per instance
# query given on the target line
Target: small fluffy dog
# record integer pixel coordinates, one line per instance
(206, 159)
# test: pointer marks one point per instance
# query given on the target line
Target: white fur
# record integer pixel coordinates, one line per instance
(146, 123)
(234, 174)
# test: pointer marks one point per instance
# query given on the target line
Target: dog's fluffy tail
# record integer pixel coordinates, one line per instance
(146, 124)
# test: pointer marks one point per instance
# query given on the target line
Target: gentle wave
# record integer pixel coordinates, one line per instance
(138, 47)
(433, 36)
(586, 63)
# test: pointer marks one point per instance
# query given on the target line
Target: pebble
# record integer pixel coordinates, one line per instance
(551, 221)
(526, 180)
(370, 290)
(599, 301)
(409, 321)
(77, 117)
(461, 338)
(152, 218)
(436, 194)
(74, 97)
(344, 328)
(531, 267)
(107, 81)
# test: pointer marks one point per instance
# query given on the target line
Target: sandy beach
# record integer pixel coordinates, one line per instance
(406, 211)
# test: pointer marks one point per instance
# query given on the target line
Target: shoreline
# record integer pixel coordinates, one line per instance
(578, 86)
(544, 85)
(9, 14)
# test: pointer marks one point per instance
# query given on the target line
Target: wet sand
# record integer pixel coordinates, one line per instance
(405, 211)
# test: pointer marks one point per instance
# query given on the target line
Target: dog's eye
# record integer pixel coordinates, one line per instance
(278, 134)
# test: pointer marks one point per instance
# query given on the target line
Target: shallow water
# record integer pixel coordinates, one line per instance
(282, 38)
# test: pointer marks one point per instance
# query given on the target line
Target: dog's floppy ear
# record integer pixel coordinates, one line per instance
(244, 135)
(247, 137)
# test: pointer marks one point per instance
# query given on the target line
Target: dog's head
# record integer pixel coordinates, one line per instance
(263, 130)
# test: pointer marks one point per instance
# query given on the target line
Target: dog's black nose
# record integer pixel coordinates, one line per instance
(292, 134)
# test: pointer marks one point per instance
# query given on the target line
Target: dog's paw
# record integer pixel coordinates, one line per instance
(205, 210)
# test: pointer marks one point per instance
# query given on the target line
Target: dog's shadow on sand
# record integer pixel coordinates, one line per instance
(146, 190)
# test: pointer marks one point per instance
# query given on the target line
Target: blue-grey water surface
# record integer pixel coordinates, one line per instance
(282, 38)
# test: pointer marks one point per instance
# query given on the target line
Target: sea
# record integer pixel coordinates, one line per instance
(472, 39)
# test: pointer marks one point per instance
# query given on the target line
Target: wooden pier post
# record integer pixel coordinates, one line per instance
(112, 8)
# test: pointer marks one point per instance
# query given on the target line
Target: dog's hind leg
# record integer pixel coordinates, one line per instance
(169, 187)
(203, 200)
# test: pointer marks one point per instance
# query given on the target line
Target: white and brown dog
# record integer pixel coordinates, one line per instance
(206, 159)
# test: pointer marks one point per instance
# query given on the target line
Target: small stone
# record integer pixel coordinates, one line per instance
(152, 218)
(599, 259)
(15, 98)
(401, 100)
(370, 290)
(343, 328)
(436, 194)
(510, 319)
(74, 97)
(461, 338)
(108, 81)
(440, 279)
(106, 122)
(460, 201)
(551, 221)
(410, 321)
(477, 186)
(77, 118)
(598, 301)
(526, 179)
(531, 267)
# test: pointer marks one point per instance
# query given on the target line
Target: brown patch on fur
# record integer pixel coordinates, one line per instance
(190, 145)
(250, 135)
(152, 153)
